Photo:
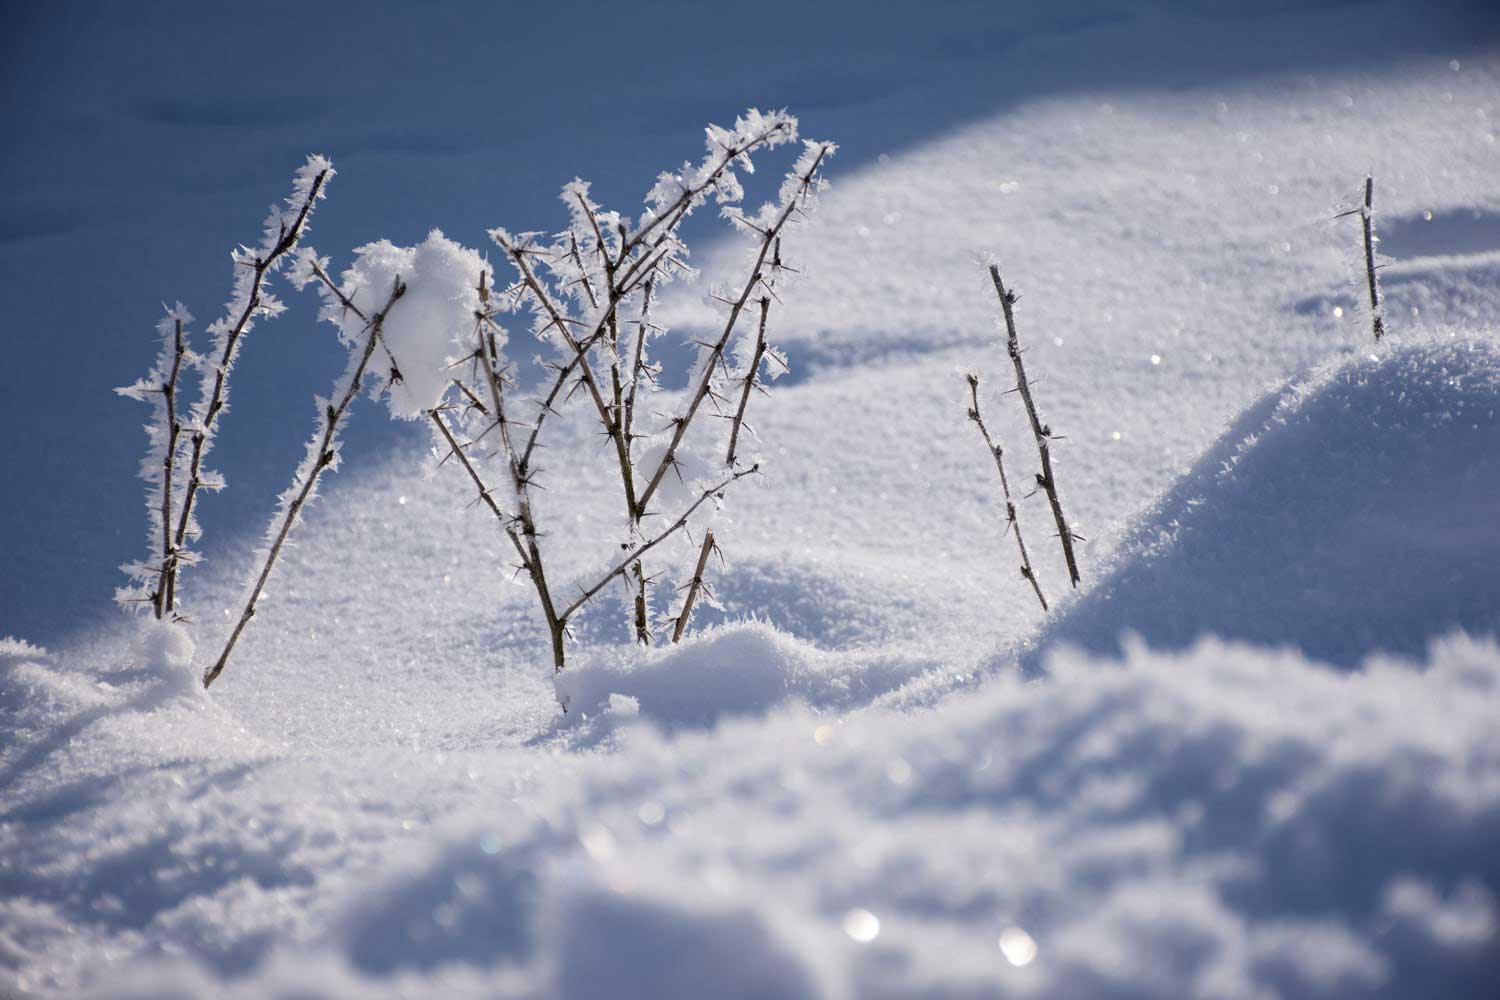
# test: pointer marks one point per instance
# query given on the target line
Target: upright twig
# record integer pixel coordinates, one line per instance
(232, 329)
(1012, 523)
(320, 456)
(716, 348)
(750, 381)
(165, 597)
(160, 387)
(1367, 219)
(694, 586)
(521, 482)
(1043, 433)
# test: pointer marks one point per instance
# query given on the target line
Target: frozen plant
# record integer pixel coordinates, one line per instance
(1366, 213)
(588, 292)
(179, 442)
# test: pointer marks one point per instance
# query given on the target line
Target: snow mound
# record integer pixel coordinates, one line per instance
(1225, 822)
(728, 671)
(1348, 511)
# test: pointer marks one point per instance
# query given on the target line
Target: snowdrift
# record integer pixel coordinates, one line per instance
(1223, 822)
(1350, 510)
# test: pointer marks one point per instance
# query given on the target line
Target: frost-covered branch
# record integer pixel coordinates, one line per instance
(801, 183)
(749, 382)
(485, 495)
(322, 453)
(1043, 433)
(282, 230)
(159, 467)
(636, 553)
(1012, 523)
(1367, 218)
(521, 482)
(695, 585)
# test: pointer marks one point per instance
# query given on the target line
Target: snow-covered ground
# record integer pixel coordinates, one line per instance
(1256, 754)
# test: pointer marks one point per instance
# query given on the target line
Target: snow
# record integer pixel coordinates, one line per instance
(1253, 755)
(430, 327)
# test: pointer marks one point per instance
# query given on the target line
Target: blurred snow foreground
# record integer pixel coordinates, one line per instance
(1219, 821)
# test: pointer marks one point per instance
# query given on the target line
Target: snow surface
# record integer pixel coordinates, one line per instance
(1255, 755)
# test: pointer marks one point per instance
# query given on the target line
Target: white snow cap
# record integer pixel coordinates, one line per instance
(430, 325)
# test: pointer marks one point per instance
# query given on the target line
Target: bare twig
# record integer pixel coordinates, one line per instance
(694, 585)
(1039, 430)
(325, 456)
(165, 598)
(750, 381)
(1367, 218)
(640, 550)
(716, 348)
(520, 477)
(1012, 523)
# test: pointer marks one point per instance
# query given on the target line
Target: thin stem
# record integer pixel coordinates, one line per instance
(521, 484)
(1039, 430)
(164, 600)
(642, 610)
(1012, 523)
(694, 586)
(638, 362)
(485, 496)
(580, 349)
(636, 553)
(1367, 218)
(716, 349)
(325, 457)
(201, 434)
(678, 210)
(750, 381)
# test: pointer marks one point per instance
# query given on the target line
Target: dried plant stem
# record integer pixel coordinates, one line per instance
(716, 349)
(1377, 322)
(640, 550)
(608, 415)
(750, 381)
(326, 455)
(694, 586)
(642, 606)
(1012, 523)
(520, 476)
(671, 217)
(638, 369)
(289, 237)
(1039, 430)
(164, 600)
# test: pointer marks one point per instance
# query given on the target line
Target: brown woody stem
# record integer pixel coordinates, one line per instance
(1039, 430)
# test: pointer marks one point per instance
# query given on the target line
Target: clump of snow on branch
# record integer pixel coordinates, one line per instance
(423, 337)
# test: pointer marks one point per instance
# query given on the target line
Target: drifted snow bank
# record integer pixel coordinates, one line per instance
(1222, 822)
(728, 671)
(1352, 510)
